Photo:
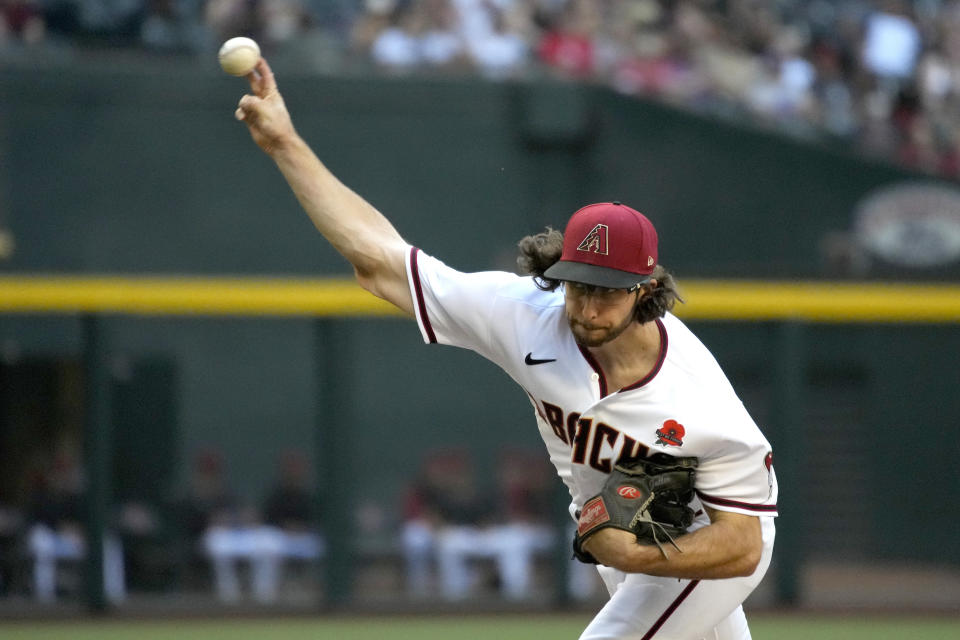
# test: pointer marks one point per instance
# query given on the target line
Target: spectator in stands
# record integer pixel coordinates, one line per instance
(526, 486)
(420, 34)
(569, 44)
(57, 532)
(651, 58)
(368, 26)
(396, 46)
(21, 21)
(281, 21)
(783, 90)
(228, 533)
(98, 23)
(174, 26)
(451, 523)
(228, 18)
(290, 515)
(436, 500)
(891, 42)
(834, 104)
(524, 495)
(497, 34)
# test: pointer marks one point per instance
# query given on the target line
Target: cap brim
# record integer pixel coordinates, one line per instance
(592, 274)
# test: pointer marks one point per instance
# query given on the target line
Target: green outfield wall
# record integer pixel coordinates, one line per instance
(140, 171)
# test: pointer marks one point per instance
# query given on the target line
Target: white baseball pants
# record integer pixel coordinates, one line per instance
(643, 607)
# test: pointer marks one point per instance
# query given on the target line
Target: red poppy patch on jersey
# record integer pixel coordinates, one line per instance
(768, 460)
(627, 491)
(671, 434)
(593, 514)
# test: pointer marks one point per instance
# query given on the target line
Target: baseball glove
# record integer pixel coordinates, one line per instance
(647, 496)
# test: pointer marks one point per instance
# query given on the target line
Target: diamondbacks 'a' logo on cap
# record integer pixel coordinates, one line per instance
(596, 240)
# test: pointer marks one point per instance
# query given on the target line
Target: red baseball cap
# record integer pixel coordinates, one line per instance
(607, 244)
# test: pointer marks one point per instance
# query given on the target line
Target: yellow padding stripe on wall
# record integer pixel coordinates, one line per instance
(737, 300)
(820, 301)
(189, 295)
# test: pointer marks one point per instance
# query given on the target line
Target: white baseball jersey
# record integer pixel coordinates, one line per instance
(684, 407)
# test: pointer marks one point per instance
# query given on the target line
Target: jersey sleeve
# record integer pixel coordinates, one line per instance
(453, 307)
(740, 479)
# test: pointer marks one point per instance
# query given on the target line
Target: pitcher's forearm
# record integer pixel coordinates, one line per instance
(729, 547)
(359, 232)
(714, 552)
(352, 225)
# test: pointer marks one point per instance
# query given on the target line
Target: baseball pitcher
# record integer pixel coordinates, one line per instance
(672, 485)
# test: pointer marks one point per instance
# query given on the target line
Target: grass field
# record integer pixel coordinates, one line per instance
(504, 627)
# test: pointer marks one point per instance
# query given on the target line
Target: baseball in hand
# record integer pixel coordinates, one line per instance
(238, 56)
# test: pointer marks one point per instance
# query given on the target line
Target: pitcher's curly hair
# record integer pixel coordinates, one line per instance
(540, 251)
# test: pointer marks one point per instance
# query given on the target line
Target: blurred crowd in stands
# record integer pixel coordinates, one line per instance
(879, 76)
(458, 532)
(203, 536)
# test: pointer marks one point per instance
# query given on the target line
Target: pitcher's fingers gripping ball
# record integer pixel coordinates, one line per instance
(264, 111)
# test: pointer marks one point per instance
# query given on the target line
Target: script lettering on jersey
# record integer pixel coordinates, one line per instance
(587, 438)
(564, 428)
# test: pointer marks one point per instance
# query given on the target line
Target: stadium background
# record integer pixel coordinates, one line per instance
(122, 164)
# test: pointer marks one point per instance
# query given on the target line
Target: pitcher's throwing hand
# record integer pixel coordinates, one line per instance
(265, 112)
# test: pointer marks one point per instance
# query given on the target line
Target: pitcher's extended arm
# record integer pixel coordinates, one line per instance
(351, 224)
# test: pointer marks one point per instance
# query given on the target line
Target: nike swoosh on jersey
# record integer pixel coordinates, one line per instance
(530, 360)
